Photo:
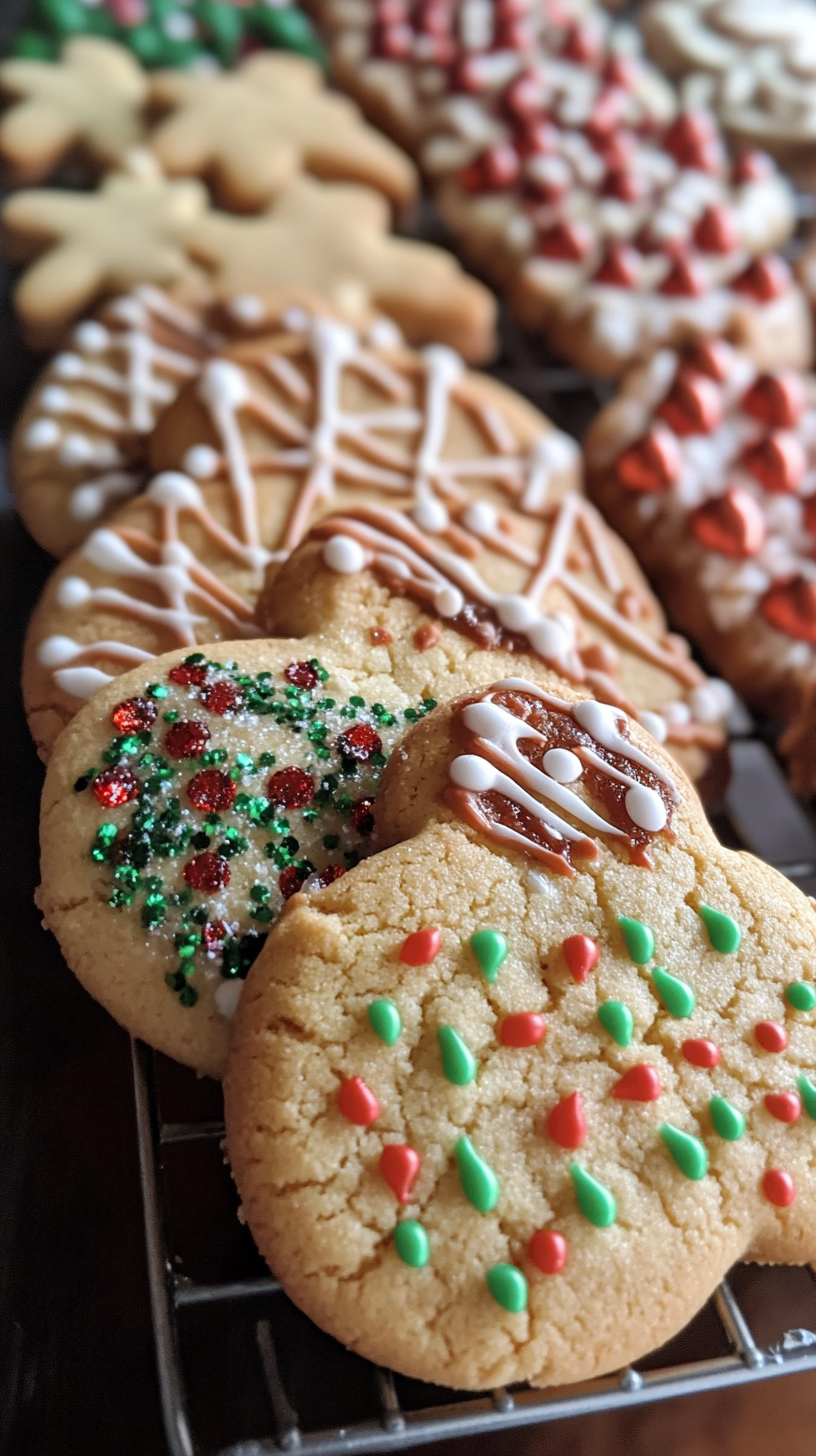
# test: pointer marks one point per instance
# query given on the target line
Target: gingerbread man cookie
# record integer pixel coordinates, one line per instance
(551, 1051)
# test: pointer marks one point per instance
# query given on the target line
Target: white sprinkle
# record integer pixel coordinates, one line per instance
(448, 601)
(344, 555)
(41, 435)
(431, 515)
(201, 461)
(91, 336)
(248, 308)
(228, 995)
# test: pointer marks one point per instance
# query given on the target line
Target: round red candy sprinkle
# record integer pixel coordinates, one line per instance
(422, 947)
(358, 1103)
(222, 697)
(522, 1029)
(566, 1123)
(639, 1084)
(771, 1036)
(186, 739)
(290, 881)
(362, 817)
(784, 1106)
(327, 876)
(399, 1166)
(300, 674)
(212, 934)
(548, 1251)
(115, 786)
(292, 788)
(779, 1188)
(207, 871)
(581, 955)
(188, 674)
(211, 790)
(359, 742)
(134, 715)
(701, 1053)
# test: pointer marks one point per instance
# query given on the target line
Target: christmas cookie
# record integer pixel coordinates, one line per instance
(91, 102)
(250, 132)
(80, 444)
(552, 1051)
(707, 467)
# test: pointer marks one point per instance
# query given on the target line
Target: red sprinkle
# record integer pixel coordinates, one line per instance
(639, 1084)
(222, 697)
(212, 934)
(188, 674)
(701, 1053)
(291, 787)
(115, 786)
(422, 947)
(779, 1188)
(134, 715)
(359, 742)
(290, 881)
(186, 739)
(771, 1036)
(581, 955)
(301, 674)
(522, 1029)
(328, 876)
(784, 1106)
(211, 790)
(566, 1123)
(362, 817)
(548, 1251)
(207, 871)
(399, 1166)
(357, 1102)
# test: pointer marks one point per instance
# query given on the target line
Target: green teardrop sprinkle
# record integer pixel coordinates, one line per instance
(508, 1286)
(640, 941)
(723, 932)
(801, 996)
(458, 1062)
(688, 1152)
(385, 1021)
(617, 1019)
(807, 1092)
(490, 950)
(594, 1200)
(676, 995)
(728, 1121)
(479, 1183)
(411, 1243)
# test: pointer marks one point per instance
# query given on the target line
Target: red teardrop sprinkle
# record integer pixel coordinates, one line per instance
(581, 955)
(620, 71)
(626, 186)
(292, 788)
(358, 1103)
(548, 1251)
(765, 279)
(716, 230)
(211, 791)
(326, 876)
(784, 1106)
(581, 43)
(693, 405)
(399, 1166)
(701, 1053)
(301, 674)
(694, 141)
(522, 1029)
(360, 742)
(568, 241)
(290, 881)
(222, 697)
(639, 1084)
(686, 278)
(771, 1036)
(537, 137)
(778, 462)
(620, 266)
(715, 358)
(393, 42)
(606, 114)
(115, 786)
(779, 1188)
(733, 524)
(207, 871)
(790, 606)
(186, 739)
(213, 934)
(188, 674)
(493, 170)
(134, 715)
(566, 1123)
(422, 947)
(753, 166)
(651, 464)
(362, 817)
(522, 98)
(776, 400)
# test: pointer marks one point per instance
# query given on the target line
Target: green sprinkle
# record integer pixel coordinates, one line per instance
(479, 1183)
(200, 841)
(723, 933)
(411, 714)
(617, 1019)
(331, 841)
(728, 1121)
(640, 941)
(385, 1021)
(171, 716)
(801, 995)
(594, 1200)
(158, 690)
(411, 1243)
(260, 912)
(807, 1092)
(244, 761)
(688, 1152)
(676, 995)
(458, 1062)
(490, 950)
(356, 701)
(259, 893)
(266, 760)
(508, 1286)
(428, 705)
(188, 996)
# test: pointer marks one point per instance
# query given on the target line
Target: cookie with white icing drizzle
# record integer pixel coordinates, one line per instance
(707, 467)
(550, 1050)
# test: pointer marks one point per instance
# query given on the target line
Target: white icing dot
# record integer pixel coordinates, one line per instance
(297, 320)
(109, 552)
(539, 882)
(81, 682)
(69, 366)
(228, 995)
(41, 435)
(54, 650)
(548, 638)
(55, 398)
(171, 488)
(473, 773)
(76, 450)
(481, 518)
(384, 334)
(645, 808)
(516, 613)
(91, 336)
(486, 720)
(201, 461)
(223, 383)
(247, 308)
(179, 26)
(431, 515)
(654, 724)
(562, 765)
(448, 601)
(73, 591)
(676, 714)
(86, 502)
(175, 553)
(708, 703)
(344, 555)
